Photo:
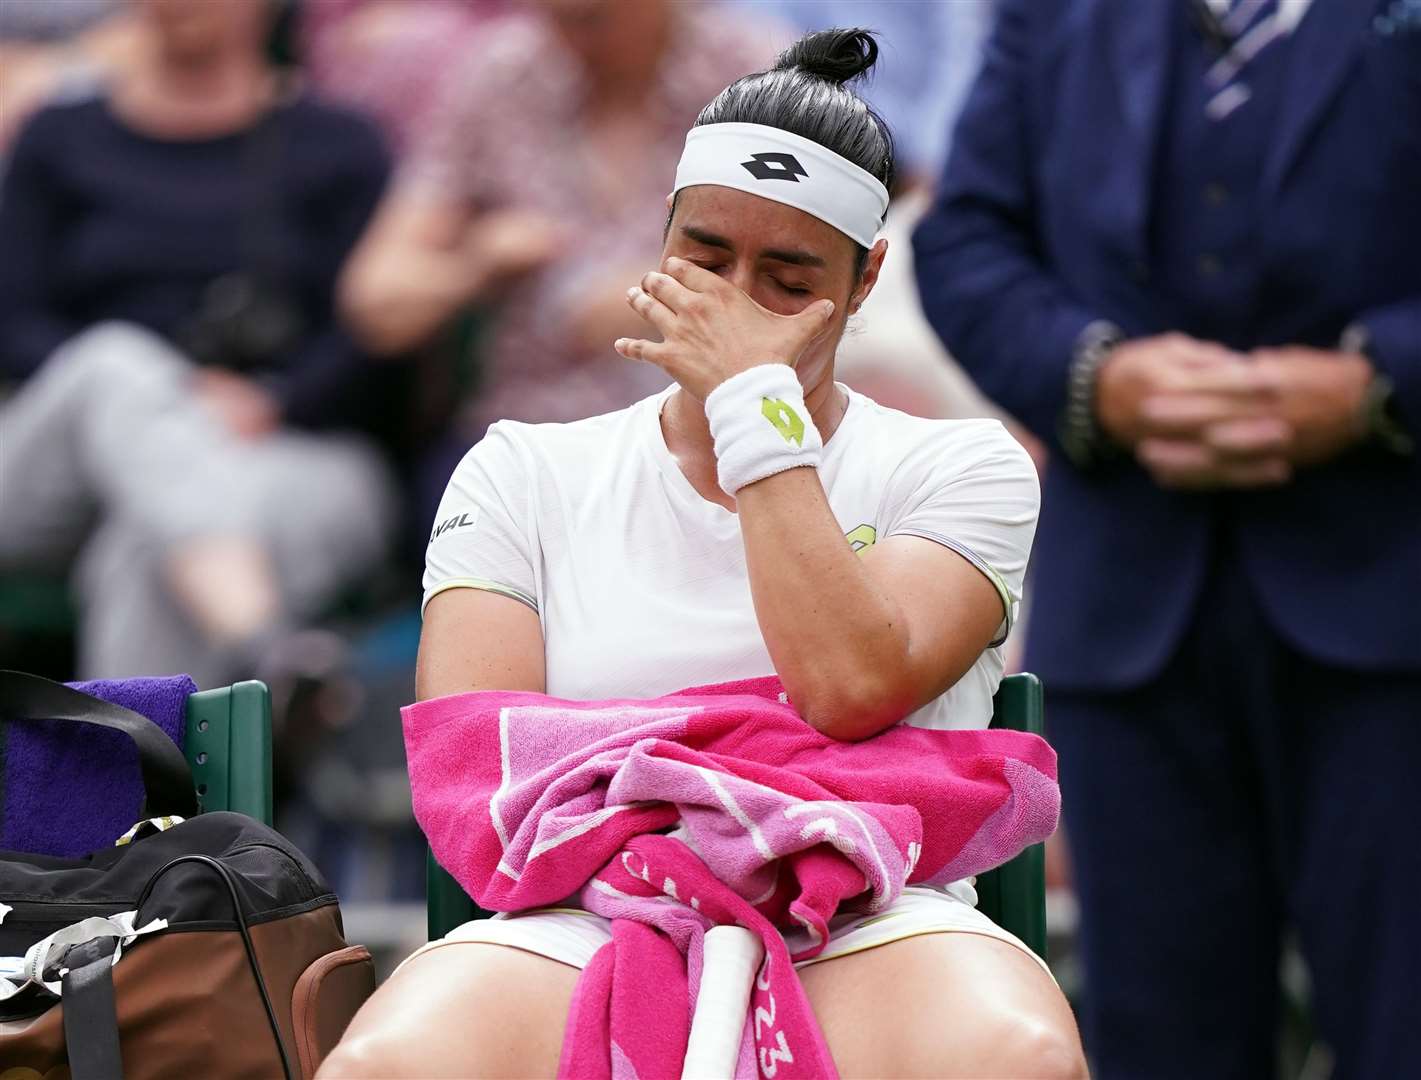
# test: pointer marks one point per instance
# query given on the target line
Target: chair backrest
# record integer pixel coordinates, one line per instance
(1013, 895)
(447, 905)
(228, 745)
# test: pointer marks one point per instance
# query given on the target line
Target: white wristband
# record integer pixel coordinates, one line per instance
(761, 426)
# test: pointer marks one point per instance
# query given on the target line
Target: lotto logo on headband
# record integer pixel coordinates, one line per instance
(775, 167)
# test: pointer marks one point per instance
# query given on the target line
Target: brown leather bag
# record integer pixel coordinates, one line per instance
(232, 960)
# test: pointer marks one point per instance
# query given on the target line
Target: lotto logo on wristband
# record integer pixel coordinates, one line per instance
(784, 420)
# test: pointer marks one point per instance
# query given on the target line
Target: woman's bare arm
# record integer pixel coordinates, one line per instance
(478, 640)
(408, 276)
(858, 641)
(422, 261)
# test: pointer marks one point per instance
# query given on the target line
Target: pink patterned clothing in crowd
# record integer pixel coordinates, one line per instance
(389, 58)
(511, 134)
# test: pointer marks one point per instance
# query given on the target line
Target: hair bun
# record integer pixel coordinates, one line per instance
(836, 56)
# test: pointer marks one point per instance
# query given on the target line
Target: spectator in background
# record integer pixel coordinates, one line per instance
(188, 408)
(388, 58)
(1181, 243)
(530, 187)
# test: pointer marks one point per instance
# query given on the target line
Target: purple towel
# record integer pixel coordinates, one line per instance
(74, 788)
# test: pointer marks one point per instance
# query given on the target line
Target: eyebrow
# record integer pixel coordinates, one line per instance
(709, 239)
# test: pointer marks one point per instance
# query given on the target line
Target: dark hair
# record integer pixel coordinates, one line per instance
(805, 93)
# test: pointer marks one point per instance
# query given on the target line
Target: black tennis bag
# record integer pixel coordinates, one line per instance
(209, 948)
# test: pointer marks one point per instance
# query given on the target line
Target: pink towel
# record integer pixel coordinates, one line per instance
(529, 800)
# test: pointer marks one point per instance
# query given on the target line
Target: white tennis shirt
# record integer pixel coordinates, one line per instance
(640, 584)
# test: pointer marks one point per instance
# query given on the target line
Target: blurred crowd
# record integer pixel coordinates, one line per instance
(268, 268)
(266, 279)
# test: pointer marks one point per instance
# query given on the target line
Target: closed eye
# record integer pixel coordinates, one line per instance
(793, 290)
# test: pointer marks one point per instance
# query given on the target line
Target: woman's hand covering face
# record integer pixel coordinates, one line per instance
(711, 330)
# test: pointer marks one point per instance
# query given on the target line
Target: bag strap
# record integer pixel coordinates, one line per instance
(167, 778)
(225, 873)
(90, 1016)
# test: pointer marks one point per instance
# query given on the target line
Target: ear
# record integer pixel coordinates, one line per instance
(869, 278)
(670, 200)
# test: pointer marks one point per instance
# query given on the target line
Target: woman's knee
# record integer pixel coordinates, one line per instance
(959, 1005)
(461, 1010)
(113, 376)
(373, 1056)
(1023, 1045)
(1035, 1048)
(121, 351)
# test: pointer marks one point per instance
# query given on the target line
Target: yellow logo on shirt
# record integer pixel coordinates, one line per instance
(861, 538)
(784, 419)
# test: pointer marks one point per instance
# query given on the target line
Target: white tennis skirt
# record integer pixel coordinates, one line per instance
(571, 936)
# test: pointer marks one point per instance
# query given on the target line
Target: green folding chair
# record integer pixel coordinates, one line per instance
(228, 746)
(1013, 896)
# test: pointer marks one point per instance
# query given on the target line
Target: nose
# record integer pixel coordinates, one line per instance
(742, 276)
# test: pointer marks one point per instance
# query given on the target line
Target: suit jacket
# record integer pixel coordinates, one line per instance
(1041, 226)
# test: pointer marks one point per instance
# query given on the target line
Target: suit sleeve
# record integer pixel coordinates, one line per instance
(985, 286)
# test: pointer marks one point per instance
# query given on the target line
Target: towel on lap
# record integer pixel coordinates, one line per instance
(717, 805)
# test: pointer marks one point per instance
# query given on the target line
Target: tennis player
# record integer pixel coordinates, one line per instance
(756, 518)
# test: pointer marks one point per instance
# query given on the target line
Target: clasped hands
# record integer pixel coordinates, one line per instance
(711, 330)
(1200, 416)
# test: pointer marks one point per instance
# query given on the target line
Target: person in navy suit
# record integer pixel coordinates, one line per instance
(1181, 242)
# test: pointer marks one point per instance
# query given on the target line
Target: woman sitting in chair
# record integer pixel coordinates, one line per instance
(757, 517)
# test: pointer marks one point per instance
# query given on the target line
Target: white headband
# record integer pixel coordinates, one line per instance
(789, 169)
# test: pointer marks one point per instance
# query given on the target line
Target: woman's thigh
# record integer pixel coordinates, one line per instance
(461, 1010)
(939, 1005)
(944, 1005)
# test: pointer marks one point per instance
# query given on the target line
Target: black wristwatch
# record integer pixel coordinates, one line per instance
(1082, 439)
(1378, 416)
